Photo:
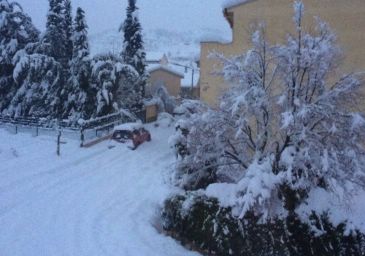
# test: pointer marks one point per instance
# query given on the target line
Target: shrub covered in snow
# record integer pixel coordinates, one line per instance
(160, 95)
(283, 128)
(197, 164)
(282, 131)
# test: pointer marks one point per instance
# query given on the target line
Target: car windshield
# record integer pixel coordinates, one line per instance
(122, 134)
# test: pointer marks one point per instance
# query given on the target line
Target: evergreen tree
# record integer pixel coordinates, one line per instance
(16, 30)
(114, 82)
(39, 79)
(57, 43)
(53, 42)
(80, 101)
(67, 24)
(133, 52)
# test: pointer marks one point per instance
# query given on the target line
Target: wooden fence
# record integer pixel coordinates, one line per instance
(83, 130)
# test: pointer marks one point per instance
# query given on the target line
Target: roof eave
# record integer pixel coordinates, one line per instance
(166, 70)
(229, 8)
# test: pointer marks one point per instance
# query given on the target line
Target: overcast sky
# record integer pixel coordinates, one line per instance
(178, 15)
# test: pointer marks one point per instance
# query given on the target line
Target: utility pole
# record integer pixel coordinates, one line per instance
(191, 66)
(192, 83)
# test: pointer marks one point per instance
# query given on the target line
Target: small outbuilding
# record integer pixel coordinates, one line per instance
(178, 79)
(164, 76)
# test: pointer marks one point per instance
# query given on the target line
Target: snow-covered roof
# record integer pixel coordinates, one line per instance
(232, 3)
(152, 68)
(128, 127)
(187, 70)
(150, 102)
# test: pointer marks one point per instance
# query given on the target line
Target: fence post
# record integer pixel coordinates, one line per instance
(59, 143)
(82, 138)
(16, 129)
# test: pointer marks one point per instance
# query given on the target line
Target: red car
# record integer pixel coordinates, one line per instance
(132, 133)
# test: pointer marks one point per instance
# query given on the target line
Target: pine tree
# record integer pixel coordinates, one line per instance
(57, 43)
(133, 52)
(67, 24)
(39, 79)
(53, 42)
(114, 82)
(16, 30)
(80, 101)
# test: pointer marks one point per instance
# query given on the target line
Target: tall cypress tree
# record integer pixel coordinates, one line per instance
(67, 27)
(57, 43)
(80, 101)
(53, 42)
(133, 52)
(81, 51)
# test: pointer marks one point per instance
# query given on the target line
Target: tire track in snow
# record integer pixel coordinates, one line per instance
(42, 181)
(100, 204)
(62, 186)
(79, 197)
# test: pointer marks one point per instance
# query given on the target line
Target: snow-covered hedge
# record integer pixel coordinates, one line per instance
(202, 224)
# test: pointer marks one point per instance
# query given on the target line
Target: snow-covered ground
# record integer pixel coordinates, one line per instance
(90, 202)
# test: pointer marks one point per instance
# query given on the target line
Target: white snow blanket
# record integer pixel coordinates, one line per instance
(88, 202)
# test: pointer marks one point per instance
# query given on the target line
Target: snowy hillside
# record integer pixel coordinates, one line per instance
(90, 202)
(177, 45)
(175, 15)
(174, 26)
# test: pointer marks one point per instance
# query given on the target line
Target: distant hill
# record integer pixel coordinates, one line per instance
(176, 45)
(172, 26)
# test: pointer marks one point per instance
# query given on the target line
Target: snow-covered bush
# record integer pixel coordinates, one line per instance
(203, 224)
(165, 102)
(293, 119)
(197, 146)
(165, 120)
(283, 129)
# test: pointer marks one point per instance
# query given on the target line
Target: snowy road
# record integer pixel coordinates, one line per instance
(90, 202)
